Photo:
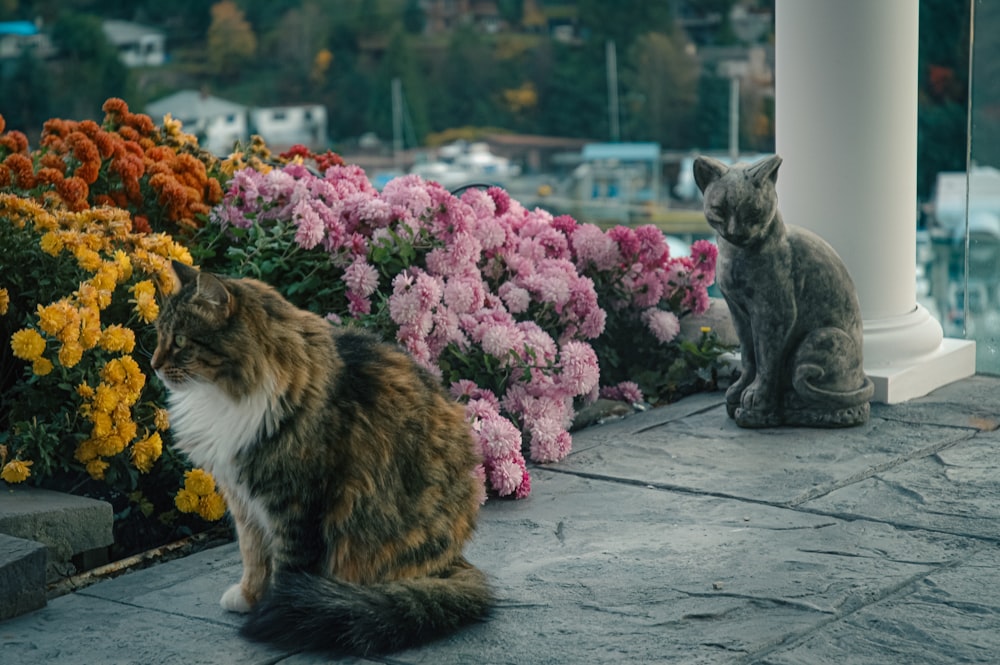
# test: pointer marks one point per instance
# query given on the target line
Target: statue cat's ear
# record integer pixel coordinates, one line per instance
(707, 170)
(765, 168)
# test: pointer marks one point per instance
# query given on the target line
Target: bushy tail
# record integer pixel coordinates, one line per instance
(304, 611)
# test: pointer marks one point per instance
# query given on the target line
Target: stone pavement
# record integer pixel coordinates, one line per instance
(671, 536)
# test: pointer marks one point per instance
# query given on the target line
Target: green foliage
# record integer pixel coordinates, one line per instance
(664, 372)
(268, 252)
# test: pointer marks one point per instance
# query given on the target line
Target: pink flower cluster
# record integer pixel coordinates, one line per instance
(498, 300)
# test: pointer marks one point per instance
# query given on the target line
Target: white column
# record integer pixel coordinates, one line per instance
(846, 123)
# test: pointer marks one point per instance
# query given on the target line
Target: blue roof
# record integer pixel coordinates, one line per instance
(25, 28)
(626, 152)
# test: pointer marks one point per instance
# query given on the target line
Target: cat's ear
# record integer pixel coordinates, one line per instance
(707, 170)
(765, 169)
(181, 274)
(213, 293)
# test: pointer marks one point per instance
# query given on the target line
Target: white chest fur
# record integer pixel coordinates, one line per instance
(212, 427)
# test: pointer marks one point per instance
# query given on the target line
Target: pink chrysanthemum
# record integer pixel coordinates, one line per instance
(361, 278)
(663, 324)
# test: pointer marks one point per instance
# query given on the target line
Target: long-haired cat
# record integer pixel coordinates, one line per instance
(793, 304)
(348, 471)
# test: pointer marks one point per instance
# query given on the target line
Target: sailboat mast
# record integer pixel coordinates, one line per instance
(397, 123)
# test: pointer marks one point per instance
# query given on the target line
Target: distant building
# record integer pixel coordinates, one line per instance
(284, 126)
(138, 45)
(19, 36)
(218, 123)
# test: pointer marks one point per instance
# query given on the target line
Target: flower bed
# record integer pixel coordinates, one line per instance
(522, 314)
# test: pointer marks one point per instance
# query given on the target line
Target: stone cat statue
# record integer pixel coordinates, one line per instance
(793, 304)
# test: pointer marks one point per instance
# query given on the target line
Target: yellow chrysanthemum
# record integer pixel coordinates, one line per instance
(85, 391)
(117, 338)
(71, 331)
(53, 318)
(103, 298)
(90, 327)
(211, 507)
(4, 301)
(16, 471)
(86, 295)
(102, 424)
(145, 301)
(70, 354)
(134, 378)
(110, 445)
(144, 288)
(106, 398)
(199, 481)
(180, 253)
(51, 243)
(86, 451)
(127, 429)
(27, 344)
(106, 277)
(96, 468)
(42, 366)
(124, 265)
(146, 452)
(87, 258)
(161, 419)
(186, 501)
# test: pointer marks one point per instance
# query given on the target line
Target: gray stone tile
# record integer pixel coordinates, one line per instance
(706, 452)
(973, 402)
(954, 490)
(595, 572)
(190, 586)
(82, 630)
(951, 616)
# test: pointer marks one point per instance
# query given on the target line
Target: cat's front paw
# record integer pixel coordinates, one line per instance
(757, 408)
(233, 600)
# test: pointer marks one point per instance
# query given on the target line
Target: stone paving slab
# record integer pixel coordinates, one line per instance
(692, 579)
(870, 545)
(84, 630)
(704, 451)
(955, 490)
(951, 616)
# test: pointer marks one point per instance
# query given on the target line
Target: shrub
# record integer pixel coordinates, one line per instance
(521, 314)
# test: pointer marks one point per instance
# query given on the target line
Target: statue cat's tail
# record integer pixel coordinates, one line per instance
(304, 611)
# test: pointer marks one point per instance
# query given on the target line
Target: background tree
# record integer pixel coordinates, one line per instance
(27, 90)
(623, 21)
(661, 87)
(414, 17)
(87, 71)
(231, 40)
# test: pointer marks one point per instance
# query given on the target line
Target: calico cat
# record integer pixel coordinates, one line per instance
(347, 469)
(793, 304)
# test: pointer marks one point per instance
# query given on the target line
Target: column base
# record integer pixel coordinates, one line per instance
(953, 360)
(907, 356)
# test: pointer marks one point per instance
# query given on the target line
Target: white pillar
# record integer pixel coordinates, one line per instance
(846, 126)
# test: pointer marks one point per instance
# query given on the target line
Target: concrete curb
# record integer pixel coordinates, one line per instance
(22, 576)
(45, 531)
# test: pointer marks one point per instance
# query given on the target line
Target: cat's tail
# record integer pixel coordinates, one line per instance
(304, 611)
(807, 381)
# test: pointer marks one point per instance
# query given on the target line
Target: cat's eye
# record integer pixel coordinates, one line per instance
(180, 341)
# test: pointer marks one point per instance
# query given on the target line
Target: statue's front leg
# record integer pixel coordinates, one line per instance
(748, 362)
(761, 401)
